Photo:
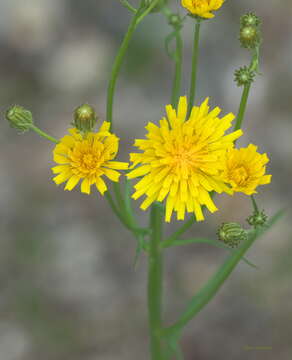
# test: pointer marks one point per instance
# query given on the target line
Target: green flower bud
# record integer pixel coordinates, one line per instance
(249, 37)
(244, 76)
(19, 118)
(174, 20)
(250, 19)
(232, 234)
(85, 118)
(258, 218)
(158, 6)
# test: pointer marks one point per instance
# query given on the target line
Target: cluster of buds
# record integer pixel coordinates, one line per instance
(257, 219)
(232, 234)
(250, 32)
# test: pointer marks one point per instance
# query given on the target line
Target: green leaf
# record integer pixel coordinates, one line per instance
(210, 289)
(216, 243)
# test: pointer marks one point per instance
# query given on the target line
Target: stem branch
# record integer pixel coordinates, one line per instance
(195, 56)
(178, 69)
(43, 134)
(155, 282)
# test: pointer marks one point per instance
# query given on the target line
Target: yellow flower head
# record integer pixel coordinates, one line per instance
(87, 157)
(182, 160)
(202, 8)
(245, 169)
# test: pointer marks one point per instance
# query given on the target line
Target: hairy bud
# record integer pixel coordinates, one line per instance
(258, 218)
(85, 118)
(249, 37)
(19, 118)
(232, 234)
(244, 76)
(250, 19)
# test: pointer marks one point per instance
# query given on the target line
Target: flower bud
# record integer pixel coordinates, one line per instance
(250, 19)
(174, 20)
(19, 118)
(158, 6)
(258, 218)
(249, 37)
(232, 234)
(85, 118)
(244, 76)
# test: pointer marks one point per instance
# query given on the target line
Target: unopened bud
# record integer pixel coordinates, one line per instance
(244, 76)
(174, 20)
(250, 19)
(258, 218)
(19, 118)
(85, 118)
(249, 37)
(232, 234)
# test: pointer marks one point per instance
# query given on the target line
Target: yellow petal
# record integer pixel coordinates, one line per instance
(72, 182)
(85, 186)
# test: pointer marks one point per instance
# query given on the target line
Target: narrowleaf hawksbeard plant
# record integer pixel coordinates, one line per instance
(185, 160)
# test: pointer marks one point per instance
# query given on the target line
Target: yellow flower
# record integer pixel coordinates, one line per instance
(182, 160)
(87, 157)
(202, 8)
(245, 169)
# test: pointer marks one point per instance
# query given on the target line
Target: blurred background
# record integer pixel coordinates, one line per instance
(68, 286)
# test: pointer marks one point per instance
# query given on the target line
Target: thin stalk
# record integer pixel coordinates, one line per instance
(187, 225)
(43, 134)
(117, 66)
(136, 19)
(178, 69)
(128, 6)
(148, 10)
(119, 196)
(114, 207)
(195, 57)
(242, 107)
(136, 230)
(155, 282)
(254, 204)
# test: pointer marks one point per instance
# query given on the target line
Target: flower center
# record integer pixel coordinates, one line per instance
(198, 3)
(240, 175)
(88, 161)
(182, 161)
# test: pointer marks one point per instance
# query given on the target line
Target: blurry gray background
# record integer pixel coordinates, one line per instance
(68, 287)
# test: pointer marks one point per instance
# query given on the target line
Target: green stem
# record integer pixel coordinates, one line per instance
(195, 56)
(254, 203)
(242, 107)
(119, 196)
(117, 66)
(208, 291)
(136, 19)
(155, 282)
(114, 207)
(178, 69)
(147, 11)
(136, 230)
(128, 6)
(187, 225)
(43, 134)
